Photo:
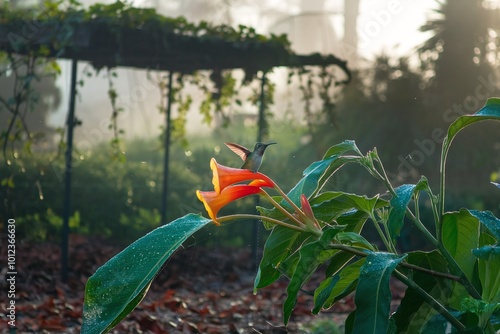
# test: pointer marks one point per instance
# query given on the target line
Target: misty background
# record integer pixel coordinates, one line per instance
(416, 67)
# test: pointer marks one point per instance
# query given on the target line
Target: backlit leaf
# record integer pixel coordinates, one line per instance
(399, 203)
(119, 285)
(337, 286)
(490, 111)
(373, 293)
(311, 256)
(460, 234)
(489, 220)
(278, 247)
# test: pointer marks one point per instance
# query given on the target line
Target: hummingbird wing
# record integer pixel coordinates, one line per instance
(242, 151)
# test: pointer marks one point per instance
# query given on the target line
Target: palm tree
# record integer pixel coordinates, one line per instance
(459, 50)
(459, 63)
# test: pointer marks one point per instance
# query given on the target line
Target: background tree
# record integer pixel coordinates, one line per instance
(459, 64)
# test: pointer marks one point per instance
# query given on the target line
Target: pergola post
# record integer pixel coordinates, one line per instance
(67, 172)
(260, 136)
(166, 157)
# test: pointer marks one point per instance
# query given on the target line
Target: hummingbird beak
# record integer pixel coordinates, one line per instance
(271, 143)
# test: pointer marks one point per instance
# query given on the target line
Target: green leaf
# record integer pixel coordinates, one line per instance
(337, 262)
(331, 205)
(119, 285)
(413, 311)
(489, 267)
(280, 243)
(399, 203)
(354, 240)
(353, 220)
(490, 111)
(373, 293)
(341, 202)
(335, 166)
(489, 220)
(479, 316)
(337, 286)
(312, 255)
(438, 324)
(479, 307)
(460, 235)
(349, 322)
(310, 180)
(316, 175)
(487, 253)
(345, 146)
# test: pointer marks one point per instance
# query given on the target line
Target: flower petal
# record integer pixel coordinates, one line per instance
(208, 198)
(306, 207)
(213, 201)
(224, 176)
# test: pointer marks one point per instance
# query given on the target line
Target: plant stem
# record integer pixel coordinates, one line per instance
(416, 197)
(388, 244)
(282, 209)
(384, 178)
(268, 219)
(362, 253)
(442, 186)
(289, 201)
(418, 223)
(435, 212)
(430, 272)
(386, 229)
(431, 301)
(455, 268)
(286, 198)
(440, 212)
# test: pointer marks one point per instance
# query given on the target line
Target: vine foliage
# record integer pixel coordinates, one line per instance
(109, 36)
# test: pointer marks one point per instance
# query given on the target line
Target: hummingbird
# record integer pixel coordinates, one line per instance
(253, 160)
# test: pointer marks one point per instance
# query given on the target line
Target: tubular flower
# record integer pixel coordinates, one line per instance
(306, 208)
(214, 201)
(224, 176)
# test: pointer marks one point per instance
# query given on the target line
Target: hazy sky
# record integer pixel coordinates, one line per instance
(382, 24)
(399, 34)
(389, 25)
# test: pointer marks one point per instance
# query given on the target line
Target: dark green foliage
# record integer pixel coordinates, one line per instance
(110, 198)
(460, 273)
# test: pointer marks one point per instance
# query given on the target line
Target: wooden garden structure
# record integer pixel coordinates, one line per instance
(115, 35)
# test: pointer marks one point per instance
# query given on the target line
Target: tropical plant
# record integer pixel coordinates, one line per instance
(454, 286)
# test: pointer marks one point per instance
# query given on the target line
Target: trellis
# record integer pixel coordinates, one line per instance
(155, 43)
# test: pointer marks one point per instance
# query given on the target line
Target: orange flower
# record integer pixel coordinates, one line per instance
(224, 176)
(214, 201)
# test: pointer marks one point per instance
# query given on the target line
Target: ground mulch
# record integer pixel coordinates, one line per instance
(200, 290)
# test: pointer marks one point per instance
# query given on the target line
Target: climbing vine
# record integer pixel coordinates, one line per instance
(117, 151)
(65, 29)
(22, 72)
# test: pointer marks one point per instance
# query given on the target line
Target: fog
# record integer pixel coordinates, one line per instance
(375, 27)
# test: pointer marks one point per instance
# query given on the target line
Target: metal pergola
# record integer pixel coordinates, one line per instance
(173, 52)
